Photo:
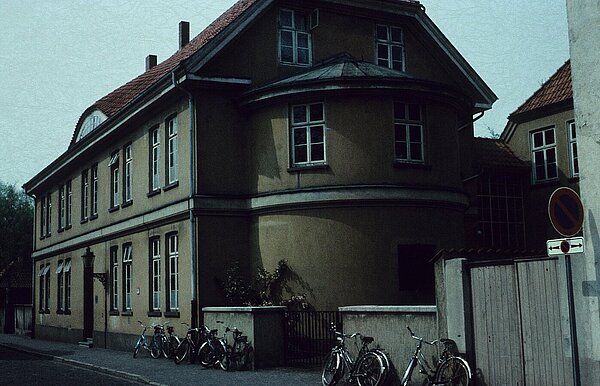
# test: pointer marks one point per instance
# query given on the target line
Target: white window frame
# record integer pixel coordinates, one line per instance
(545, 149)
(573, 151)
(114, 266)
(43, 217)
(59, 290)
(406, 125)
(307, 126)
(296, 32)
(94, 195)
(67, 285)
(173, 258)
(85, 194)
(69, 203)
(127, 279)
(390, 44)
(61, 207)
(114, 183)
(127, 174)
(155, 159)
(155, 273)
(173, 150)
(48, 214)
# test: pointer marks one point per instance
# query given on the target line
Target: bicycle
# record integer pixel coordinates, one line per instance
(188, 345)
(370, 368)
(450, 369)
(237, 355)
(142, 341)
(171, 342)
(213, 350)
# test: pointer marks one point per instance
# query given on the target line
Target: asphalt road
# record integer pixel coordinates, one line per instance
(18, 368)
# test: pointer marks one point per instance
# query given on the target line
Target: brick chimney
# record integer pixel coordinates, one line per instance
(184, 33)
(151, 61)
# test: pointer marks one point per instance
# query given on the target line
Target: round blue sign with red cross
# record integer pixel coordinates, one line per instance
(566, 211)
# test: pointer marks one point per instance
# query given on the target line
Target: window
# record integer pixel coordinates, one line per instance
(416, 274)
(43, 217)
(47, 216)
(114, 280)
(94, 194)
(61, 207)
(85, 193)
(155, 160)
(501, 217)
(59, 288)
(308, 134)
(44, 288)
(173, 272)
(390, 47)
(408, 132)
(127, 178)
(67, 277)
(172, 161)
(114, 182)
(127, 259)
(69, 204)
(573, 156)
(155, 274)
(294, 38)
(543, 155)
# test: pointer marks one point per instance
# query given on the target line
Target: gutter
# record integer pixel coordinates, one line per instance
(471, 121)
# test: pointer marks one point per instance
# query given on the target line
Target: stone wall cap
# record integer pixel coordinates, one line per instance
(244, 309)
(389, 309)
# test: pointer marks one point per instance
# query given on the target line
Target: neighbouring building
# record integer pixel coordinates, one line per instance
(333, 134)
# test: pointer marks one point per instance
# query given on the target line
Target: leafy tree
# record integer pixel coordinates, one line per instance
(16, 224)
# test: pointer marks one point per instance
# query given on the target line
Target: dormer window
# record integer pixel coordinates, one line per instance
(294, 38)
(390, 47)
(93, 120)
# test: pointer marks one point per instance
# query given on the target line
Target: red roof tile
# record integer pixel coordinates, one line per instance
(554, 90)
(119, 98)
(494, 152)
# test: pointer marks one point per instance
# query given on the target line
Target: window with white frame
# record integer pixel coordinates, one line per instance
(172, 161)
(94, 194)
(173, 274)
(308, 134)
(127, 260)
(127, 174)
(43, 217)
(61, 207)
(155, 159)
(48, 215)
(44, 288)
(85, 194)
(69, 204)
(543, 155)
(67, 286)
(573, 156)
(295, 46)
(114, 182)
(155, 273)
(60, 306)
(114, 279)
(390, 47)
(408, 132)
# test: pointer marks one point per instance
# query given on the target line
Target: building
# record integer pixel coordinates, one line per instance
(332, 134)
(582, 16)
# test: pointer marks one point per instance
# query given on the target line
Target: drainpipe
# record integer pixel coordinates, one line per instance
(33, 280)
(193, 261)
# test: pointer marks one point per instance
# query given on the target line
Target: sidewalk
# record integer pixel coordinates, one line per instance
(144, 369)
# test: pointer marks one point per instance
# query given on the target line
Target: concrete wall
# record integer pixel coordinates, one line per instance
(387, 325)
(584, 17)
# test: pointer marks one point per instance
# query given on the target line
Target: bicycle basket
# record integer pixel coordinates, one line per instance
(450, 346)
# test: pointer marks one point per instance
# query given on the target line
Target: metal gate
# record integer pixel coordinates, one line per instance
(309, 337)
(520, 323)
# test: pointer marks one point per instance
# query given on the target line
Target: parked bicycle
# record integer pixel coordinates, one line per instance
(450, 369)
(370, 368)
(170, 342)
(189, 346)
(142, 342)
(213, 350)
(239, 354)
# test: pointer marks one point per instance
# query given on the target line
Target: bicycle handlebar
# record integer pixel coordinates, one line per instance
(433, 342)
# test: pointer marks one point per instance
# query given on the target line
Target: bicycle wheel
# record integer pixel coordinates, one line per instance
(332, 369)
(369, 370)
(164, 345)
(225, 361)
(181, 351)
(136, 349)
(172, 346)
(453, 371)
(207, 356)
(155, 348)
(386, 363)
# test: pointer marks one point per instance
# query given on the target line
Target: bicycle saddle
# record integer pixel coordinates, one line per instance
(367, 339)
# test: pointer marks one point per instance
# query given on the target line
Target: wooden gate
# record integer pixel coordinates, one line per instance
(520, 324)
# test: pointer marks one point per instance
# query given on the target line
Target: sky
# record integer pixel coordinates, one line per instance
(58, 57)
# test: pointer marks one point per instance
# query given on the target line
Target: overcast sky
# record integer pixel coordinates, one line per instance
(58, 57)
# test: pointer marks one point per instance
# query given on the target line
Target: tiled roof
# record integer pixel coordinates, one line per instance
(495, 153)
(554, 90)
(16, 275)
(119, 98)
